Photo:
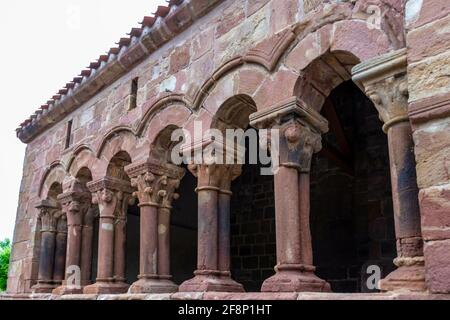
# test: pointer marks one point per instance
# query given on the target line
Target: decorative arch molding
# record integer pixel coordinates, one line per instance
(55, 173)
(115, 132)
(234, 113)
(83, 156)
(118, 139)
(325, 58)
(159, 109)
(330, 27)
(237, 79)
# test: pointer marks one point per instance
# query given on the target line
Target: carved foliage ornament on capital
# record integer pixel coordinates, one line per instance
(385, 81)
(218, 176)
(112, 197)
(298, 144)
(155, 184)
(390, 97)
(75, 203)
(49, 215)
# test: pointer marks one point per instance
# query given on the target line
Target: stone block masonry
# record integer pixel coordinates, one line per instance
(98, 153)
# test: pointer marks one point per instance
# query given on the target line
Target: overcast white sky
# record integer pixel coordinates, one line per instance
(44, 44)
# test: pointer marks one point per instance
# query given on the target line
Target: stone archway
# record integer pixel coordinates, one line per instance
(351, 201)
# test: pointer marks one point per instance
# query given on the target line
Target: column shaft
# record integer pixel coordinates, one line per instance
(47, 255)
(120, 248)
(207, 230)
(60, 257)
(105, 271)
(306, 251)
(287, 218)
(404, 185)
(149, 242)
(224, 232)
(86, 254)
(164, 242)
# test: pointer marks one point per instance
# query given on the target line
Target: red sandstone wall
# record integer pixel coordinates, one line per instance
(232, 29)
(428, 41)
(179, 66)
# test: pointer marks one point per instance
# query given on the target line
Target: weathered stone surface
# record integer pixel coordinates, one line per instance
(429, 40)
(437, 255)
(435, 208)
(267, 52)
(240, 296)
(430, 11)
(432, 153)
(429, 77)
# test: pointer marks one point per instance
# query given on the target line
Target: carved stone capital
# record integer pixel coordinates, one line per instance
(75, 202)
(112, 196)
(300, 129)
(228, 175)
(155, 183)
(210, 176)
(292, 108)
(298, 143)
(49, 213)
(384, 79)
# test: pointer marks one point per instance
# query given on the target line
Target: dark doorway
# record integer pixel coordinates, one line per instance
(351, 205)
(183, 231)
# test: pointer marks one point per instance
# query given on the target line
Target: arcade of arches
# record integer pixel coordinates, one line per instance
(113, 214)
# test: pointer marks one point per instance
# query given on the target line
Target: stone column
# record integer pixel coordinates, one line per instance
(75, 203)
(300, 130)
(87, 242)
(230, 173)
(60, 250)
(111, 196)
(384, 80)
(156, 185)
(208, 276)
(175, 174)
(49, 212)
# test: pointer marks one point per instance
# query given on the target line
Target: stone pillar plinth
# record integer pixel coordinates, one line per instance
(384, 80)
(49, 213)
(155, 184)
(299, 137)
(213, 189)
(75, 203)
(112, 196)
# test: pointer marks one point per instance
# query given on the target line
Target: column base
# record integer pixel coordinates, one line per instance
(211, 281)
(44, 287)
(295, 278)
(107, 287)
(410, 275)
(153, 284)
(66, 289)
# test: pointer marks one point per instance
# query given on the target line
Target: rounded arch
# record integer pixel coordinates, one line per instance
(243, 80)
(53, 175)
(176, 115)
(162, 144)
(324, 59)
(83, 156)
(117, 164)
(234, 113)
(119, 139)
(334, 28)
(172, 108)
(119, 132)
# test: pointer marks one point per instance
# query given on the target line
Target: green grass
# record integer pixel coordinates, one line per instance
(5, 251)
